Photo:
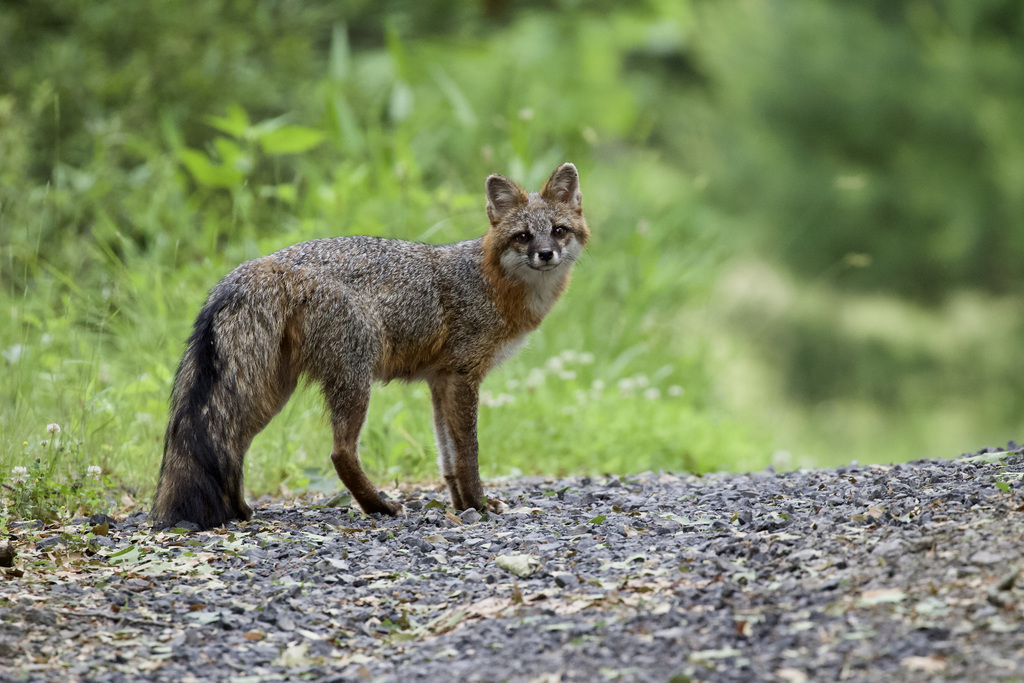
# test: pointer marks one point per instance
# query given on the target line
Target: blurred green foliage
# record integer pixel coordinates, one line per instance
(806, 216)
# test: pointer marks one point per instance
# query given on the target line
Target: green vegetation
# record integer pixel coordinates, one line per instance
(806, 222)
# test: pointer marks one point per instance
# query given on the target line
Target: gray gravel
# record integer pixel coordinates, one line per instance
(878, 573)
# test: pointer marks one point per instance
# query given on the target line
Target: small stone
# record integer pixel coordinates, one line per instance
(470, 516)
(8, 650)
(41, 617)
(566, 580)
(48, 542)
(7, 554)
(100, 518)
(474, 577)
(984, 557)
(103, 542)
(889, 548)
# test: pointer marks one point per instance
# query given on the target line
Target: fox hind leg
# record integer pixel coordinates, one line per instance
(348, 412)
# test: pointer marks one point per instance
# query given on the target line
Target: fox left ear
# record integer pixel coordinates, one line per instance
(563, 187)
(503, 195)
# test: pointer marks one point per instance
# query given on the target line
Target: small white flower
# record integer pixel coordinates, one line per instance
(597, 386)
(627, 385)
(512, 384)
(567, 374)
(53, 428)
(554, 364)
(652, 394)
(94, 472)
(535, 378)
(642, 381)
(675, 391)
(585, 358)
(19, 474)
(782, 460)
(569, 356)
(491, 401)
(44, 443)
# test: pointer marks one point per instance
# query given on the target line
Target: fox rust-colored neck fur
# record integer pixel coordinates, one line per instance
(522, 295)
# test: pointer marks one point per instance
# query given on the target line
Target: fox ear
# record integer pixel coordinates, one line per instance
(503, 195)
(563, 187)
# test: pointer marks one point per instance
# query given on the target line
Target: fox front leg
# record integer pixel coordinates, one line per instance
(456, 402)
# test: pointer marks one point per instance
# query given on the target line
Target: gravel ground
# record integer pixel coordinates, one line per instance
(875, 573)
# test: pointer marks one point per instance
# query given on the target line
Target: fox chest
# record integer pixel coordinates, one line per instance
(509, 349)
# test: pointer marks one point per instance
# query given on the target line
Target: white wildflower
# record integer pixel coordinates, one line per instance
(652, 394)
(512, 384)
(53, 428)
(782, 460)
(642, 381)
(675, 391)
(19, 474)
(627, 385)
(567, 374)
(489, 400)
(554, 364)
(94, 472)
(568, 356)
(44, 443)
(585, 358)
(597, 386)
(535, 378)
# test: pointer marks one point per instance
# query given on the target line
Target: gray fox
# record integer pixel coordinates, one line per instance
(346, 311)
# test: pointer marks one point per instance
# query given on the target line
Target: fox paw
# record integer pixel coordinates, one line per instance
(394, 508)
(496, 506)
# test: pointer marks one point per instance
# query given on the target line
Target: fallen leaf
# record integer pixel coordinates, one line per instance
(294, 656)
(520, 565)
(877, 597)
(930, 664)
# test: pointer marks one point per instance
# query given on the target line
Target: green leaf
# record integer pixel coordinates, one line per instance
(1003, 486)
(597, 520)
(343, 499)
(291, 140)
(435, 504)
(207, 173)
(234, 123)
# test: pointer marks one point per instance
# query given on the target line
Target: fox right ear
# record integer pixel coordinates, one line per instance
(503, 195)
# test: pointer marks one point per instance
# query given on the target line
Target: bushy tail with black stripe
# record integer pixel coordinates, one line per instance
(232, 379)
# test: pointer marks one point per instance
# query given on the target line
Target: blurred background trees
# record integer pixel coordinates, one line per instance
(808, 215)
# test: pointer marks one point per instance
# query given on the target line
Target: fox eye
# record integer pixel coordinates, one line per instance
(522, 237)
(559, 231)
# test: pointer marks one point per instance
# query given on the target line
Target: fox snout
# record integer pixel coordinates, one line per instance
(544, 254)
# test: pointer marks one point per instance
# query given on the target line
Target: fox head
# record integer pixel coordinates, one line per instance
(540, 232)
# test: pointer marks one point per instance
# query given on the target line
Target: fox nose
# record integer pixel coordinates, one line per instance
(545, 254)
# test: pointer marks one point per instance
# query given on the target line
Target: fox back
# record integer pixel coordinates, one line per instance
(350, 310)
